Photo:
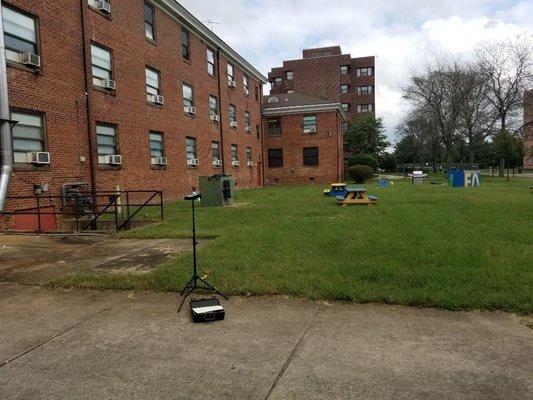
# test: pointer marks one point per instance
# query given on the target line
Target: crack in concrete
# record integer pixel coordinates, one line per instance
(70, 328)
(297, 346)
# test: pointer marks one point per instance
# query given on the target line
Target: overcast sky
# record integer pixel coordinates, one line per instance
(400, 33)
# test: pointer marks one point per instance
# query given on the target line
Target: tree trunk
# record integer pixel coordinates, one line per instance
(501, 170)
(471, 155)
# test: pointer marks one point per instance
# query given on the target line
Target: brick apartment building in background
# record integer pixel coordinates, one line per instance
(528, 131)
(303, 140)
(329, 74)
(132, 94)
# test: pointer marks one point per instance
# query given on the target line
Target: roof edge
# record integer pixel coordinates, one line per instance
(305, 108)
(177, 11)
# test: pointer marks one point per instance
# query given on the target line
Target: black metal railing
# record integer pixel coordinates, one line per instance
(88, 208)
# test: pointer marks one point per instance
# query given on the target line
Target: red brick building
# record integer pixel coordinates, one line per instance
(528, 131)
(303, 139)
(329, 74)
(130, 93)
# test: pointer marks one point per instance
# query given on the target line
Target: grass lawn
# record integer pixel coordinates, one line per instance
(423, 246)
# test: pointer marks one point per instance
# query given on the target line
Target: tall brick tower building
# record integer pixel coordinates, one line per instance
(329, 74)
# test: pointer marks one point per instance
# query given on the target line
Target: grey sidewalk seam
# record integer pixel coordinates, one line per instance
(292, 354)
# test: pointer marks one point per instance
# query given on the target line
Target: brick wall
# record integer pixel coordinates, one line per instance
(328, 139)
(528, 132)
(58, 92)
(319, 76)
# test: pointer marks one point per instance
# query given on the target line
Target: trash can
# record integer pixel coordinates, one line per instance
(217, 190)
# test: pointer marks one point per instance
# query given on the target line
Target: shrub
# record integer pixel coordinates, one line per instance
(360, 173)
(364, 159)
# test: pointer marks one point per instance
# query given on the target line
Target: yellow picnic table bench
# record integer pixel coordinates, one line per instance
(356, 196)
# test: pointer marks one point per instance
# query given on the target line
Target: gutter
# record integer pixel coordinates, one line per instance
(303, 109)
(5, 120)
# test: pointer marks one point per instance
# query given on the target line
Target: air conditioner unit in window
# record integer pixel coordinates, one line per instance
(193, 162)
(190, 110)
(215, 118)
(156, 99)
(217, 163)
(247, 92)
(30, 60)
(310, 130)
(161, 161)
(233, 124)
(248, 129)
(235, 163)
(114, 160)
(103, 5)
(232, 84)
(39, 158)
(109, 84)
(250, 163)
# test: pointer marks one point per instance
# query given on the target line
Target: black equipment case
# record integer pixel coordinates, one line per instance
(206, 310)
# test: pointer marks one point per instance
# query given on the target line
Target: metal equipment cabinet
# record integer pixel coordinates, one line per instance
(217, 190)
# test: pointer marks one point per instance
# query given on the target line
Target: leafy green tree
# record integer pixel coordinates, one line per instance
(363, 159)
(509, 147)
(388, 162)
(366, 135)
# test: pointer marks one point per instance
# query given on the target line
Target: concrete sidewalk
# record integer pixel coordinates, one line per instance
(105, 345)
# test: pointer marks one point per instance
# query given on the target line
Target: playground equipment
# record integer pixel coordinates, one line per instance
(417, 177)
(464, 178)
(337, 189)
(356, 196)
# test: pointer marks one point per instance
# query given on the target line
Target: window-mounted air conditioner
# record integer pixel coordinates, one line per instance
(248, 129)
(114, 159)
(193, 162)
(30, 60)
(103, 5)
(233, 124)
(215, 118)
(217, 163)
(247, 91)
(235, 163)
(160, 161)
(190, 110)
(156, 99)
(232, 84)
(38, 158)
(250, 164)
(109, 84)
(310, 130)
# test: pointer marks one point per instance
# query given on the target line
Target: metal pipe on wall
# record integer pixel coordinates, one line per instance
(5, 120)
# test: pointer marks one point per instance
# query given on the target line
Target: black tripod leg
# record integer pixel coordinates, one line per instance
(213, 288)
(189, 291)
(187, 286)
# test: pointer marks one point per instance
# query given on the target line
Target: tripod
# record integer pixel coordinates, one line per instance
(192, 285)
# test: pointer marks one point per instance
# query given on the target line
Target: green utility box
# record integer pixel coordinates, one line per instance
(217, 190)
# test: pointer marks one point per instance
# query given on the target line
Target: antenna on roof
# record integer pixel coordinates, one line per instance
(210, 24)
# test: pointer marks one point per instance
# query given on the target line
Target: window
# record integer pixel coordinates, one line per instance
(245, 82)
(364, 108)
(213, 105)
(230, 75)
(345, 106)
(309, 124)
(310, 155)
(234, 153)
(290, 91)
(278, 81)
(274, 126)
(101, 64)
(289, 75)
(156, 145)
(106, 138)
(185, 44)
(275, 157)
(152, 83)
(248, 121)
(188, 96)
(20, 33)
(257, 131)
(28, 135)
(365, 71)
(364, 90)
(215, 151)
(345, 126)
(345, 69)
(190, 145)
(211, 68)
(345, 88)
(232, 113)
(256, 93)
(149, 21)
(248, 154)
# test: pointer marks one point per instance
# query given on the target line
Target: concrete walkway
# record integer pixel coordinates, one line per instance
(96, 345)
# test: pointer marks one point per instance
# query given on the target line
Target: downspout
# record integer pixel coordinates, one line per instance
(261, 134)
(339, 139)
(88, 110)
(5, 117)
(219, 74)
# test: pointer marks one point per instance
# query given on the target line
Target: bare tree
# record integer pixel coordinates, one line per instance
(506, 68)
(476, 116)
(436, 91)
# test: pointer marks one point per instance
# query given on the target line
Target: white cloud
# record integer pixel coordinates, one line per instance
(401, 34)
